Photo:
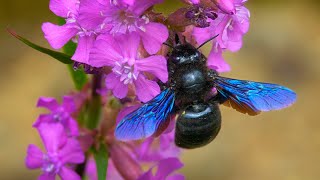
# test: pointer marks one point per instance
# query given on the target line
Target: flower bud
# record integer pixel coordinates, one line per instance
(227, 6)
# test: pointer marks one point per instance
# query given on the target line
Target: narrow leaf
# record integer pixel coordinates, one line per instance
(79, 77)
(101, 158)
(64, 58)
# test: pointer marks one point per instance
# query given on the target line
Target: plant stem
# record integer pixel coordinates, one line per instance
(94, 109)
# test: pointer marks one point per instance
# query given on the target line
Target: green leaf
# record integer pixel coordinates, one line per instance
(101, 158)
(78, 76)
(64, 58)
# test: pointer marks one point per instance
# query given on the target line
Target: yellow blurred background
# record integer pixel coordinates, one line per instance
(282, 46)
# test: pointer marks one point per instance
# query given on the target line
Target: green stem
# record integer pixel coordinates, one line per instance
(94, 109)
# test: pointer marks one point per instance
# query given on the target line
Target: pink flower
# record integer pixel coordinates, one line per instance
(121, 17)
(231, 27)
(164, 170)
(58, 36)
(227, 6)
(121, 53)
(61, 152)
(60, 114)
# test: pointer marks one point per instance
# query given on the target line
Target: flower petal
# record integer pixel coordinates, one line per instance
(176, 177)
(34, 157)
(58, 36)
(63, 7)
(156, 65)
(91, 13)
(140, 6)
(73, 127)
(105, 52)
(71, 152)
(154, 35)
(47, 176)
(68, 104)
(48, 102)
(146, 89)
(68, 174)
(167, 166)
(42, 119)
(129, 45)
(125, 111)
(216, 61)
(119, 89)
(85, 44)
(52, 135)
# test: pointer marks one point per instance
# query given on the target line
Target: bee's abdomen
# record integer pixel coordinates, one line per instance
(197, 126)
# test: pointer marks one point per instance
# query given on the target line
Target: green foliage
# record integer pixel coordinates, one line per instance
(78, 76)
(101, 158)
(64, 58)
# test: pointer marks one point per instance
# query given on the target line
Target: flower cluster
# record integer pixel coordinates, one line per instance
(58, 131)
(124, 45)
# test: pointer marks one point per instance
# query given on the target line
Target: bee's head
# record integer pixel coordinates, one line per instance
(185, 54)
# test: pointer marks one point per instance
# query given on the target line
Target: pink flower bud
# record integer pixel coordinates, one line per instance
(227, 6)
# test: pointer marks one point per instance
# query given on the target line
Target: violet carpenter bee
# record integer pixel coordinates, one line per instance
(189, 93)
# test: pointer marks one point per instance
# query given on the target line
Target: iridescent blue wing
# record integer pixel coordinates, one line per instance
(253, 97)
(148, 119)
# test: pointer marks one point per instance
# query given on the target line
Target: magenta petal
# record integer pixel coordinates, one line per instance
(73, 127)
(63, 7)
(146, 89)
(111, 80)
(48, 102)
(47, 176)
(129, 45)
(156, 65)
(242, 16)
(202, 34)
(105, 52)
(34, 157)
(129, 2)
(216, 61)
(68, 104)
(119, 89)
(72, 152)
(234, 46)
(68, 174)
(91, 13)
(52, 135)
(154, 35)
(85, 44)
(227, 6)
(167, 166)
(42, 119)
(125, 111)
(147, 175)
(140, 6)
(195, 1)
(58, 36)
(176, 177)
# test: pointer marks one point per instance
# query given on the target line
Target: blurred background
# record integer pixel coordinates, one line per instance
(282, 46)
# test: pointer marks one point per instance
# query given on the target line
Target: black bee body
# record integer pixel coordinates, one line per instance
(189, 94)
(198, 122)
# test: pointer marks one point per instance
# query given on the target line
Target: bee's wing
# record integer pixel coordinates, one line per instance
(253, 97)
(148, 119)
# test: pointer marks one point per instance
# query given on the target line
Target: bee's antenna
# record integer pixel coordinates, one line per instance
(168, 45)
(207, 41)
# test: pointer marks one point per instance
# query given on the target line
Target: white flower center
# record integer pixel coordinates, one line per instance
(125, 72)
(126, 22)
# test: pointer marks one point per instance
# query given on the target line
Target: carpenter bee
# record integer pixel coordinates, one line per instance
(195, 92)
